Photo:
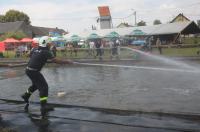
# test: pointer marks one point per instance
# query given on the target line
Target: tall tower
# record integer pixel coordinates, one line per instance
(105, 19)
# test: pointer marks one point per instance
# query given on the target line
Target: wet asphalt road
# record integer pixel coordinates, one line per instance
(109, 88)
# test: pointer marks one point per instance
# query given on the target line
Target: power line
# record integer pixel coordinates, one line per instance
(123, 17)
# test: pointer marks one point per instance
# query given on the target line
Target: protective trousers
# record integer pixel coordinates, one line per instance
(38, 82)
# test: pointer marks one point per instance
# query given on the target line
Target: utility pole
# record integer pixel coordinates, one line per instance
(135, 19)
(134, 13)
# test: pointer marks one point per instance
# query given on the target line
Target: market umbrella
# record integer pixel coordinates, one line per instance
(60, 38)
(26, 40)
(59, 41)
(75, 38)
(10, 43)
(112, 35)
(11, 40)
(2, 46)
(54, 39)
(137, 32)
(93, 36)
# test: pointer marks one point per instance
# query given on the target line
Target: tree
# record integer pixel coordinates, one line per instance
(157, 22)
(14, 15)
(141, 23)
(198, 23)
(2, 18)
(17, 35)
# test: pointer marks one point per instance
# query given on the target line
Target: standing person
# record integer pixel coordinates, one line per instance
(118, 47)
(111, 48)
(102, 47)
(53, 49)
(98, 49)
(75, 46)
(70, 47)
(92, 47)
(159, 45)
(150, 42)
(114, 49)
(87, 48)
(38, 58)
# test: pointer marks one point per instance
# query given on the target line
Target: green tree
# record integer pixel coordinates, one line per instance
(17, 35)
(14, 15)
(2, 18)
(156, 22)
(141, 23)
(198, 23)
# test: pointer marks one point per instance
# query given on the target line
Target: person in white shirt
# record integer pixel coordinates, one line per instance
(92, 47)
(118, 46)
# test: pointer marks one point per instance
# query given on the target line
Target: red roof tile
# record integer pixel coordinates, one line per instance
(104, 11)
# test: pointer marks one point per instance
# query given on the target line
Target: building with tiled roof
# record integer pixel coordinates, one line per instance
(30, 31)
(180, 18)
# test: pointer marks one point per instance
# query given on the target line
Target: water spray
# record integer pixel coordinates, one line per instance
(184, 67)
(138, 67)
(164, 59)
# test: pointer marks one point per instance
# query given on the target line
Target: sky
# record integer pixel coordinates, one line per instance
(79, 15)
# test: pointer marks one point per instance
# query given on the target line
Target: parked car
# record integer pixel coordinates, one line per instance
(81, 42)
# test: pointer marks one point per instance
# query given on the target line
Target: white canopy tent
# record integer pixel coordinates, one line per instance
(162, 29)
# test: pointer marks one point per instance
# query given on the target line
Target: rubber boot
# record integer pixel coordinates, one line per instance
(26, 97)
(45, 108)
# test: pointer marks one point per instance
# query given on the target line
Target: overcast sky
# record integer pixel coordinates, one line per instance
(78, 15)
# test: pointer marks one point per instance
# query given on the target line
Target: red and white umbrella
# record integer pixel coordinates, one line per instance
(26, 40)
(11, 40)
(2, 46)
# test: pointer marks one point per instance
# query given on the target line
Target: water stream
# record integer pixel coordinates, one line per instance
(130, 86)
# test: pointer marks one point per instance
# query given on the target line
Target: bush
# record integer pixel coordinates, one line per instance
(17, 35)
